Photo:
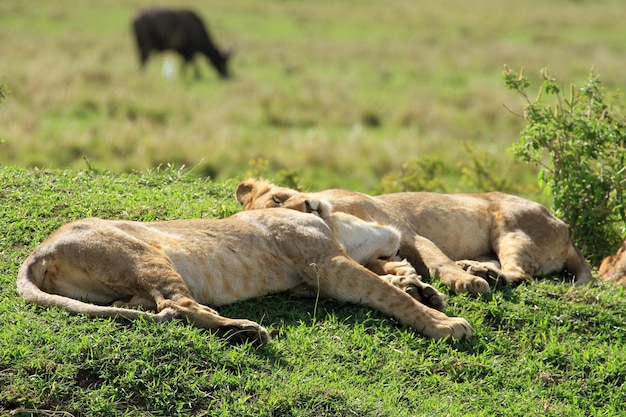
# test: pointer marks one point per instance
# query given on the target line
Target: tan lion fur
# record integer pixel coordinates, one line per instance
(613, 267)
(376, 246)
(175, 269)
(460, 238)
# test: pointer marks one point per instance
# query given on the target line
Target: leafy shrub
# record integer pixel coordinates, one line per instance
(261, 168)
(482, 173)
(579, 144)
(478, 172)
(417, 174)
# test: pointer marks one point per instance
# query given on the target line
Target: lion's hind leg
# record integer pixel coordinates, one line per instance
(148, 304)
(137, 301)
(523, 258)
(236, 330)
(171, 294)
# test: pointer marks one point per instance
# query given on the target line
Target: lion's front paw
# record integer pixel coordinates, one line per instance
(490, 271)
(246, 331)
(416, 288)
(471, 284)
(426, 294)
(456, 327)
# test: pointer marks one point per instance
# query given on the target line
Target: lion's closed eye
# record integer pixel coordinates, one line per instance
(276, 201)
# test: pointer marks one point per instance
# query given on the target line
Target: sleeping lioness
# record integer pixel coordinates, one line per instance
(174, 269)
(464, 239)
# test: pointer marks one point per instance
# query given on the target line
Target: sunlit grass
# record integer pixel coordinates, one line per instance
(538, 349)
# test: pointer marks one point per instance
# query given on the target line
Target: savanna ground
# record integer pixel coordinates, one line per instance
(539, 349)
(331, 93)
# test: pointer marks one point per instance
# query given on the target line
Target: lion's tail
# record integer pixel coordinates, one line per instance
(31, 273)
(577, 265)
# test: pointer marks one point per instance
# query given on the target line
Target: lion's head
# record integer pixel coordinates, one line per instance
(258, 194)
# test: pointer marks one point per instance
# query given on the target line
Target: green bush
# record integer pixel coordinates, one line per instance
(416, 174)
(579, 143)
(476, 172)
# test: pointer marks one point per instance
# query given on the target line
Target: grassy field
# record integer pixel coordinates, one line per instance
(539, 349)
(333, 94)
(337, 93)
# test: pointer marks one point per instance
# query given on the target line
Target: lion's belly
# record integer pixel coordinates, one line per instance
(221, 280)
(459, 224)
(467, 239)
(249, 255)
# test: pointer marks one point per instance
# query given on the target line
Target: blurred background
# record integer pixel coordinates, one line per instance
(328, 93)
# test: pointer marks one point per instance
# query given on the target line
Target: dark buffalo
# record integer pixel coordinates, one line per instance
(159, 29)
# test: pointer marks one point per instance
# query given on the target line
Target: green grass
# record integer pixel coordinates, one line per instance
(539, 349)
(339, 93)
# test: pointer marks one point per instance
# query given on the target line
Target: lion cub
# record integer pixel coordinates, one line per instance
(175, 269)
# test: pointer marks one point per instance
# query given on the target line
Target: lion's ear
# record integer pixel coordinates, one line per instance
(244, 191)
